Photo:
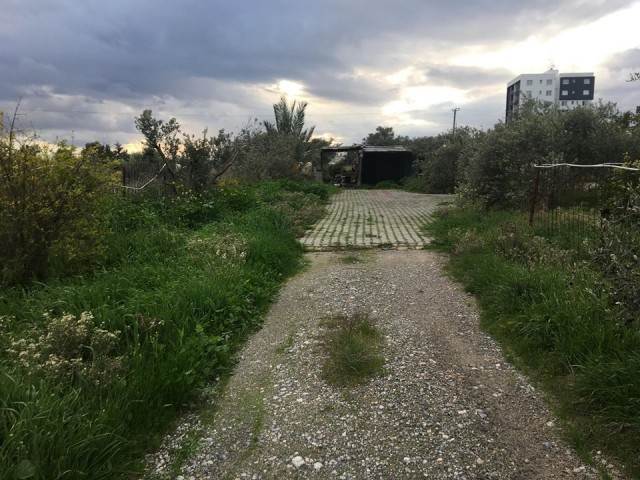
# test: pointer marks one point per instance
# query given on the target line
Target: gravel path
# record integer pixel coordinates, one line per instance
(447, 407)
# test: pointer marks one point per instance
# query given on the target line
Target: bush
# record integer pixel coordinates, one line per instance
(52, 205)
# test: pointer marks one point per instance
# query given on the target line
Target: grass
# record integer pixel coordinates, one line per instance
(352, 259)
(182, 285)
(550, 307)
(353, 348)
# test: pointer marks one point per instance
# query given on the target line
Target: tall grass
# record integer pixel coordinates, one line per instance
(182, 285)
(551, 307)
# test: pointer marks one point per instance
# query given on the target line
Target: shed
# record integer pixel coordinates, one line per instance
(375, 163)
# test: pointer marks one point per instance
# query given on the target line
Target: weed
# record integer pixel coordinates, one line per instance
(351, 259)
(353, 348)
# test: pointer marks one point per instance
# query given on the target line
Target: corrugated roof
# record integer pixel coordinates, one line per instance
(367, 148)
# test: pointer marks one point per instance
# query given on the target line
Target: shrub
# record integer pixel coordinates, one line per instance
(51, 208)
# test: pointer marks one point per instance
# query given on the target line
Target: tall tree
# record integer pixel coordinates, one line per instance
(289, 127)
(164, 139)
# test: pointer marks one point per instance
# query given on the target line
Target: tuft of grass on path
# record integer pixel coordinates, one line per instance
(353, 348)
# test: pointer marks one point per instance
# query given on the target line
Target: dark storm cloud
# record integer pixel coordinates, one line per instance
(94, 64)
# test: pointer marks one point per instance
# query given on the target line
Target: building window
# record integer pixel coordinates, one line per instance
(548, 93)
(540, 80)
(565, 92)
(585, 92)
(540, 92)
(528, 93)
(565, 81)
(549, 81)
(563, 103)
(587, 81)
(529, 82)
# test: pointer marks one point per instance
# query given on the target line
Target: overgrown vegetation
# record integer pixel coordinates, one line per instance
(569, 316)
(52, 207)
(353, 349)
(116, 311)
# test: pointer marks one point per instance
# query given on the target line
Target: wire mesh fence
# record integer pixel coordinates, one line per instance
(578, 201)
(137, 176)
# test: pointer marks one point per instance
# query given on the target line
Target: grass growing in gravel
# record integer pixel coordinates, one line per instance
(353, 348)
(352, 259)
(93, 368)
(552, 308)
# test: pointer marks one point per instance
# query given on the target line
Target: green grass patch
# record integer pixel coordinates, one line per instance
(94, 368)
(353, 348)
(550, 306)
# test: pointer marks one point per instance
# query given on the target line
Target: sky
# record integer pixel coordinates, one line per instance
(83, 70)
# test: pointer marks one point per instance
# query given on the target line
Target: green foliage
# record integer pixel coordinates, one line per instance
(277, 150)
(384, 136)
(51, 207)
(289, 122)
(86, 387)
(353, 346)
(438, 158)
(497, 166)
(190, 163)
(412, 184)
(618, 252)
(387, 185)
(556, 311)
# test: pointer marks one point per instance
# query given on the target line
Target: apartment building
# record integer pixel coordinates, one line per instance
(566, 90)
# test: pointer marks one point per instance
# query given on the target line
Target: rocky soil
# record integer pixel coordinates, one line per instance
(447, 407)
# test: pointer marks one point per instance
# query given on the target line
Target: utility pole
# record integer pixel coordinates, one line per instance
(455, 110)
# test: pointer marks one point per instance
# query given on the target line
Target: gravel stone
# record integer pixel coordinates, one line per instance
(448, 406)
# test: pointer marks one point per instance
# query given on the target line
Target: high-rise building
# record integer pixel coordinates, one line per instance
(566, 90)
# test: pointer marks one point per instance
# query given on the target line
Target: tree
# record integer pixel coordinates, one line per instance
(164, 139)
(289, 121)
(288, 132)
(275, 149)
(499, 165)
(439, 158)
(190, 162)
(384, 136)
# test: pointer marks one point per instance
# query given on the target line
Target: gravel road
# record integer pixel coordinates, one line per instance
(447, 407)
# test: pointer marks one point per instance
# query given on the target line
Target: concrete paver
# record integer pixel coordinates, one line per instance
(369, 218)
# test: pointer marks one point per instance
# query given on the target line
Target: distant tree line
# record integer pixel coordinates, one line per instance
(496, 166)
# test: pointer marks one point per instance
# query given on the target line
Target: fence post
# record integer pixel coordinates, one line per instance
(534, 195)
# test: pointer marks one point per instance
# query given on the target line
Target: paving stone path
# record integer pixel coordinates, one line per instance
(369, 218)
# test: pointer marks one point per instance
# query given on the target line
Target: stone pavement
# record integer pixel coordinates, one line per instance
(369, 218)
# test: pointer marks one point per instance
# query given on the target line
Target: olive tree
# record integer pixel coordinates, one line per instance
(189, 162)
